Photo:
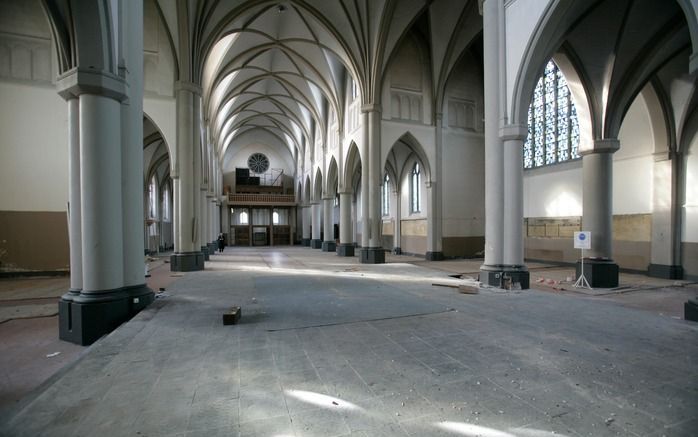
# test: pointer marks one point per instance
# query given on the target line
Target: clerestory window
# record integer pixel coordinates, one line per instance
(553, 128)
(415, 184)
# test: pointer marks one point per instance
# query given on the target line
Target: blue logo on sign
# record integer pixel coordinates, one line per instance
(582, 237)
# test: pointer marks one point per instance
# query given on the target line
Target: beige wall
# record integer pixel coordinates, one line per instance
(551, 239)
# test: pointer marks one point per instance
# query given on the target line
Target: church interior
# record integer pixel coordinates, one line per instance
(435, 217)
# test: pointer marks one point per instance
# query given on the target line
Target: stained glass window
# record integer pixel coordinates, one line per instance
(415, 184)
(553, 128)
(385, 201)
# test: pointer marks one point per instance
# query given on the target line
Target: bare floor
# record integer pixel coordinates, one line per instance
(329, 347)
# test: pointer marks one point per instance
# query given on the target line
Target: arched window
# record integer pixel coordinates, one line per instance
(553, 128)
(385, 201)
(415, 184)
(244, 218)
(153, 198)
(354, 90)
(166, 204)
(275, 218)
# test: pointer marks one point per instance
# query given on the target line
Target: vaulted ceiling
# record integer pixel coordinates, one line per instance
(281, 66)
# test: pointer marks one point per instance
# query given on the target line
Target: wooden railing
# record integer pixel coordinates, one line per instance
(262, 199)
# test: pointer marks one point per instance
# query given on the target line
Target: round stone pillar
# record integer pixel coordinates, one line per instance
(74, 208)
(188, 255)
(346, 226)
(371, 245)
(328, 243)
(597, 206)
(305, 217)
(316, 211)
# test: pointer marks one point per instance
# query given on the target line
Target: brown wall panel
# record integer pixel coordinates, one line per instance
(34, 240)
(467, 247)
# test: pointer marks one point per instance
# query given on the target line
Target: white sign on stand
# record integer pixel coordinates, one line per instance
(582, 240)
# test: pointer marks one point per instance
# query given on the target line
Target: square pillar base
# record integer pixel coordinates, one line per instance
(372, 255)
(186, 262)
(690, 310)
(506, 277)
(599, 273)
(664, 271)
(212, 248)
(316, 243)
(305, 242)
(397, 251)
(329, 246)
(345, 249)
(434, 256)
(84, 323)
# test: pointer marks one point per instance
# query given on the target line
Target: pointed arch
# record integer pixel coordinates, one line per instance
(317, 186)
(352, 166)
(332, 179)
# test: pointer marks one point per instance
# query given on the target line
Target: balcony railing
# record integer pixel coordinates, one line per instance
(262, 199)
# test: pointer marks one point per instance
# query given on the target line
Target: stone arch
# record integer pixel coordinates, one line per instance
(332, 179)
(317, 186)
(351, 164)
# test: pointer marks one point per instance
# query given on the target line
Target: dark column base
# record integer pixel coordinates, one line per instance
(397, 251)
(316, 243)
(599, 273)
(329, 246)
(505, 276)
(434, 256)
(187, 262)
(690, 310)
(305, 242)
(212, 248)
(345, 249)
(664, 271)
(372, 255)
(84, 318)
(204, 250)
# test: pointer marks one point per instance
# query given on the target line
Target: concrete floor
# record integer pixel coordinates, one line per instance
(329, 347)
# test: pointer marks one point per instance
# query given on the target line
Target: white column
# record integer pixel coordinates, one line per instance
(345, 221)
(316, 210)
(100, 192)
(665, 249)
(434, 207)
(513, 250)
(494, 189)
(132, 148)
(305, 216)
(397, 230)
(365, 182)
(328, 244)
(597, 197)
(74, 210)
(375, 173)
(186, 175)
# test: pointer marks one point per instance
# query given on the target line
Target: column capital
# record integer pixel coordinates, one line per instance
(77, 81)
(510, 132)
(606, 145)
(371, 107)
(192, 87)
(344, 191)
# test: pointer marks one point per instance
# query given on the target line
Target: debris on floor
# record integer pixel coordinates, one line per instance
(51, 355)
(232, 317)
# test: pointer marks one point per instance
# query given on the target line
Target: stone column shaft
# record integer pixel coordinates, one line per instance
(328, 244)
(346, 225)
(494, 189)
(397, 231)
(100, 193)
(513, 249)
(74, 196)
(316, 211)
(371, 252)
(132, 150)
(305, 216)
